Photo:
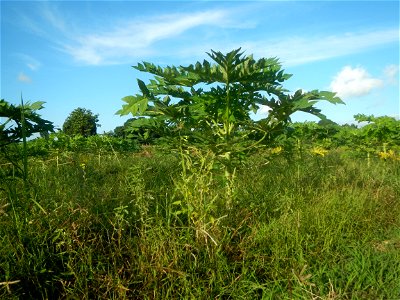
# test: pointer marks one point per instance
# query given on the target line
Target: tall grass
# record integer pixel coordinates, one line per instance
(137, 227)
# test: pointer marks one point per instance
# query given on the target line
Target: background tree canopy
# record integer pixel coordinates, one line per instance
(81, 121)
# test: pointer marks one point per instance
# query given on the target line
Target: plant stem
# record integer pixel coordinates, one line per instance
(24, 145)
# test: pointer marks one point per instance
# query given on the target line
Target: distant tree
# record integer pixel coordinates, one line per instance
(81, 121)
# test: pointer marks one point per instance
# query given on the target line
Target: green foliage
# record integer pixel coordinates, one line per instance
(379, 130)
(81, 121)
(378, 136)
(153, 225)
(11, 129)
(21, 122)
(142, 130)
(314, 134)
(58, 143)
(319, 227)
(211, 102)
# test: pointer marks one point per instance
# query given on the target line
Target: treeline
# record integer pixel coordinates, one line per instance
(60, 142)
(370, 134)
(367, 134)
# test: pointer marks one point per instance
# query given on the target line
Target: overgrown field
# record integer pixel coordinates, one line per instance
(156, 225)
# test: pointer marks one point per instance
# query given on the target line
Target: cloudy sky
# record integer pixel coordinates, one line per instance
(79, 53)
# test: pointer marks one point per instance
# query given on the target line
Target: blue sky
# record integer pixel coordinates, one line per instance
(79, 53)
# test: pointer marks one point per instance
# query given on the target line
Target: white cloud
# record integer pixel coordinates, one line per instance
(24, 78)
(354, 82)
(261, 113)
(163, 35)
(136, 38)
(264, 110)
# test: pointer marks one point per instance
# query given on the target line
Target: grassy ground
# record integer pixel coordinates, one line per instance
(137, 227)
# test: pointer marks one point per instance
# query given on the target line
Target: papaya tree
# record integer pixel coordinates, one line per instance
(210, 102)
(379, 130)
(19, 122)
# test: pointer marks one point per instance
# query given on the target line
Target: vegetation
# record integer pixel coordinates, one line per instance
(218, 117)
(82, 122)
(320, 226)
(143, 133)
(314, 210)
(21, 121)
(209, 103)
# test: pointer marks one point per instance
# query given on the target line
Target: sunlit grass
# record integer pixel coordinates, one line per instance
(324, 227)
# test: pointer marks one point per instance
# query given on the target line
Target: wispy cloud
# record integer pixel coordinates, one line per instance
(24, 78)
(29, 61)
(137, 38)
(354, 82)
(300, 50)
(391, 73)
(53, 16)
(190, 34)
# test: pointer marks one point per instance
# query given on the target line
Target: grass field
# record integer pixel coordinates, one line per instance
(152, 225)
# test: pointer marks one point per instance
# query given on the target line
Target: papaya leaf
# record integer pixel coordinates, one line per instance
(35, 105)
(136, 105)
(143, 88)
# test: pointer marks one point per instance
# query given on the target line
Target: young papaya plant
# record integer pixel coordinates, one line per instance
(18, 122)
(17, 119)
(210, 102)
